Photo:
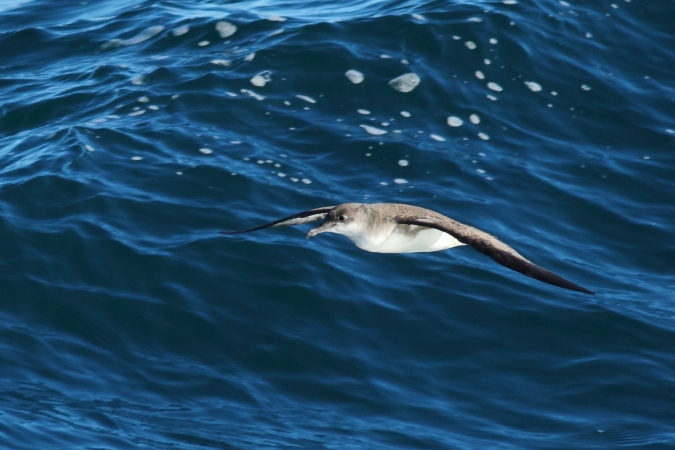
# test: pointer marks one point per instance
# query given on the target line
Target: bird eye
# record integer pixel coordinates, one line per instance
(341, 218)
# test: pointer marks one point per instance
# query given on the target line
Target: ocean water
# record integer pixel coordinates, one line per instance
(132, 132)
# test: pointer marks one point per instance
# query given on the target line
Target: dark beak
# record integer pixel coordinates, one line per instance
(326, 226)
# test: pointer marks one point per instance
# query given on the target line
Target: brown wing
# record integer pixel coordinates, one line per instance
(492, 247)
(296, 219)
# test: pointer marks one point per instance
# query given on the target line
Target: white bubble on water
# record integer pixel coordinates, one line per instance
(480, 75)
(206, 151)
(436, 137)
(203, 43)
(253, 94)
(585, 87)
(373, 130)
(143, 36)
(474, 119)
(400, 181)
(534, 87)
(483, 136)
(403, 162)
(181, 30)
(89, 148)
(405, 114)
(365, 112)
(221, 62)
(470, 45)
(354, 76)
(262, 78)
(455, 121)
(276, 19)
(225, 29)
(249, 57)
(494, 87)
(136, 158)
(406, 82)
(306, 98)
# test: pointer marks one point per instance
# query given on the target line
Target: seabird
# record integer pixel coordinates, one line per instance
(399, 228)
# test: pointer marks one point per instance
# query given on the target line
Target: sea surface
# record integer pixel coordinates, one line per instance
(132, 132)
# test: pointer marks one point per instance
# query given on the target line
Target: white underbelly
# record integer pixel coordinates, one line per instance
(411, 239)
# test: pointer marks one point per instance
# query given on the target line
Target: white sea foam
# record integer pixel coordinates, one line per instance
(455, 121)
(225, 29)
(354, 76)
(143, 36)
(373, 130)
(253, 94)
(406, 82)
(306, 98)
(180, 30)
(494, 86)
(534, 87)
(262, 78)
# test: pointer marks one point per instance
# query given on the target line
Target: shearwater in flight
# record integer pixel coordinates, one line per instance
(398, 228)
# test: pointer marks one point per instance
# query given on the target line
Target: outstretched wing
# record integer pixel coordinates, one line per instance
(296, 219)
(494, 248)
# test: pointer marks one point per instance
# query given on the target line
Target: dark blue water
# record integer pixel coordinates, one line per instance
(132, 132)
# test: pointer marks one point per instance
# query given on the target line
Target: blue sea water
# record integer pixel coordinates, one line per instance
(132, 132)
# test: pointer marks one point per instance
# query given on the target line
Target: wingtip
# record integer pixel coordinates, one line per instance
(566, 284)
(586, 291)
(229, 233)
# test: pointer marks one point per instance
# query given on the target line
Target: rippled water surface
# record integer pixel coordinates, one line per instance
(132, 132)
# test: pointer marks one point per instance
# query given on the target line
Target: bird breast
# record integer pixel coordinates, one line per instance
(407, 239)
